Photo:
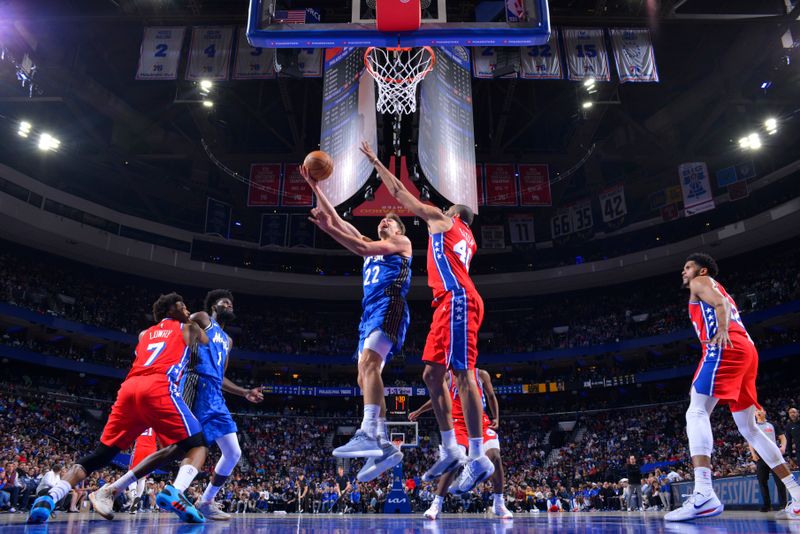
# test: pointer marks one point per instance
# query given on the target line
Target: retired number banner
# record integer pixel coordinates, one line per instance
(210, 54)
(612, 203)
(265, 184)
(696, 187)
(160, 53)
(582, 215)
(501, 184)
(484, 61)
(633, 52)
(520, 229)
(252, 63)
(586, 54)
(542, 62)
(534, 185)
(296, 192)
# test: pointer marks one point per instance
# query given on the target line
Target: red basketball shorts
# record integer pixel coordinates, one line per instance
(729, 375)
(148, 402)
(453, 339)
(490, 439)
(146, 444)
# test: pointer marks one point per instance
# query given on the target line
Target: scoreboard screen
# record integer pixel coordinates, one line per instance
(398, 406)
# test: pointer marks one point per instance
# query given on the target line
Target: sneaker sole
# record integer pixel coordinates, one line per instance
(369, 453)
(378, 469)
(710, 513)
(486, 474)
(106, 516)
(428, 476)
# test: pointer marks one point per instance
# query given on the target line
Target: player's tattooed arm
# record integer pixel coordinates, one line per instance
(702, 288)
(325, 204)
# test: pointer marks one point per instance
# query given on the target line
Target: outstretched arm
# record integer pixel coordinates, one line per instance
(413, 416)
(253, 395)
(491, 399)
(328, 208)
(398, 244)
(192, 334)
(429, 214)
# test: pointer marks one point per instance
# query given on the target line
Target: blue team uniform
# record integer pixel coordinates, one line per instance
(209, 369)
(386, 283)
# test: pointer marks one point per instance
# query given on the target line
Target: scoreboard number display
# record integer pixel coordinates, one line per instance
(398, 406)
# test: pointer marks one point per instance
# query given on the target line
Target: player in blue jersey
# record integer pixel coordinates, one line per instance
(202, 390)
(384, 321)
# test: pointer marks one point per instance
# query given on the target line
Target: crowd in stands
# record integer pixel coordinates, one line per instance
(96, 297)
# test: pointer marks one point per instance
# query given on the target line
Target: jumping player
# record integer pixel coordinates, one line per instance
(452, 343)
(148, 398)
(203, 389)
(491, 443)
(727, 375)
(384, 321)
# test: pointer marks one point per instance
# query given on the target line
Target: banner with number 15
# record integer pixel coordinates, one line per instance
(210, 53)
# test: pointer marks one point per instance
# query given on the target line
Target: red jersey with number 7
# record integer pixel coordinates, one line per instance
(449, 256)
(161, 351)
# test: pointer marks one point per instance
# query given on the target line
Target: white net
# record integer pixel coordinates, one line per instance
(397, 71)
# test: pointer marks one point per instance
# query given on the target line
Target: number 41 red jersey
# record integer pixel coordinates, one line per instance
(449, 256)
(161, 351)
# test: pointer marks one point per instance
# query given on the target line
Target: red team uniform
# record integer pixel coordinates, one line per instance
(146, 444)
(490, 439)
(150, 396)
(453, 338)
(728, 374)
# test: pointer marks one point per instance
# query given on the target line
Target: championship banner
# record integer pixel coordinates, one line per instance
(296, 192)
(633, 52)
(252, 63)
(582, 218)
(586, 54)
(265, 184)
(534, 185)
(696, 187)
(302, 231)
(612, 203)
(481, 186)
(273, 229)
(160, 53)
(210, 53)
(542, 62)
(484, 61)
(520, 229)
(493, 236)
(501, 184)
(218, 218)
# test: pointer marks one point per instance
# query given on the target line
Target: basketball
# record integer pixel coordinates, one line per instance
(319, 165)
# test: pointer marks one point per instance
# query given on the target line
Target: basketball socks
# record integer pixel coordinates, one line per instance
(210, 493)
(449, 439)
(60, 490)
(382, 435)
(475, 448)
(498, 499)
(370, 422)
(792, 487)
(438, 500)
(185, 476)
(702, 481)
(140, 487)
(123, 482)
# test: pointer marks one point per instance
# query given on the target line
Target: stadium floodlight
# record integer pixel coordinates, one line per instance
(587, 104)
(755, 141)
(206, 85)
(771, 125)
(744, 143)
(208, 104)
(24, 128)
(589, 83)
(48, 142)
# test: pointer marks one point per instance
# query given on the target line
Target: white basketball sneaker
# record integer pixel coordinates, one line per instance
(360, 445)
(211, 510)
(103, 501)
(375, 467)
(696, 506)
(449, 460)
(502, 512)
(792, 511)
(475, 472)
(433, 512)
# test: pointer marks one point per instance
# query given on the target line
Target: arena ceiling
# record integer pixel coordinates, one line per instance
(127, 144)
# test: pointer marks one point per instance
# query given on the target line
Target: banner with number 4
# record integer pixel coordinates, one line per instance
(210, 53)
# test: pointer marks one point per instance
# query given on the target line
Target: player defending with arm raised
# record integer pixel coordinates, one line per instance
(727, 375)
(452, 343)
(491, 443)
(384, 321)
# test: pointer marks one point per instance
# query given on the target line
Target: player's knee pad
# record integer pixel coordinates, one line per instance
(231, 452)
(764, 446)
(98, 459)
(196, 440)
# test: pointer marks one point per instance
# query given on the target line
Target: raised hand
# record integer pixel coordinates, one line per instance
(368, 152)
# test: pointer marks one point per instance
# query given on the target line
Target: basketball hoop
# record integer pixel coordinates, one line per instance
(398, 71)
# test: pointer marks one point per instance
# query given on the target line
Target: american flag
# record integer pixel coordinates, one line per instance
(291, 16)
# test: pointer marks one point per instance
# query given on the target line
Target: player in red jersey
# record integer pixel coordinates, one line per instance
(726, 375)
(491, 443)
(145, 445)
(148, 398)
(452, 343)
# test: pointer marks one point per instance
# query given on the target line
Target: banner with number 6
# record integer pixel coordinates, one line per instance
(586, 54)
(612, 203)
(160, 53)
(210, 53)
(561, 224)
